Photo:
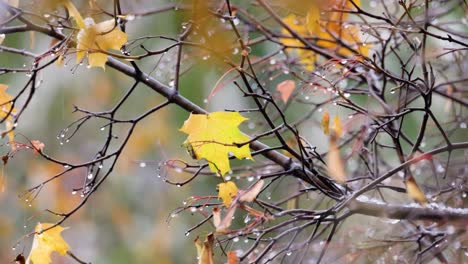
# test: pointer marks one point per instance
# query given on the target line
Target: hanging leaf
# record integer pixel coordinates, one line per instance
(286, 88)
(205, 250)
(2, 38)
(212, 137)
(7, 111)
(227, 191)
(46, 243)
(337, 127)
(325, 122)
(94, 38)
(414, 191)
(335, 164)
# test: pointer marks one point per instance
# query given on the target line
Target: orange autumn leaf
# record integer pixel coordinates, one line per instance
(47, 242)
(232, 257)
(227, 191)
(205, 250)
(414, 191)
(325, 123)
(214, 136)
(285, 88)
(337, 127)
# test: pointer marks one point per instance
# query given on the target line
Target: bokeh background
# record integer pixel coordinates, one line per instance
(129, 219)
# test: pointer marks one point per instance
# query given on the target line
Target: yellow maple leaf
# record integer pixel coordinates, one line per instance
(7, 111)
(214, 136)
(94, 38)
(227, 191)
(46, 243)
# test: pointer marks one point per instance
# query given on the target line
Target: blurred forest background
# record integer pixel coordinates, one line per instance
(129, 220)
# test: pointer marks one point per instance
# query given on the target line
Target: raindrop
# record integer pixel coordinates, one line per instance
(46, 15)
(246, 240)
(272, 61)
(464, 194)
(462, 125)
(347, 95)
(74, 193)
(193, 209)
(236, 21)
(142, 164)
(130, 17)
(206, 57)
(178, 185)
(90, 176)
(227, 178)
(235, 51)
(251, 178)
(289, 253)
(187, 234)
(392, 92)
(236, 239)
(66, 166)
(172, 83)
(100, 166)
(306, 97)
(251, 125)
(344, 62)
(205, 101)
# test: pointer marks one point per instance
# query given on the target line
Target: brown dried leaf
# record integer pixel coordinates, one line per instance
(335, 164)
(250, 194)
(37, 145)
(205, 250)
(285, 88)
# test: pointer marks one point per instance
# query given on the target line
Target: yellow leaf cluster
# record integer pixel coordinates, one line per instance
(94, 39)
(46, 243)
(329, 29)
(214, 136)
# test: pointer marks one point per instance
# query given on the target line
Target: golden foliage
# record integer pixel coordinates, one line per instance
(47, 242)
(212, 137)
(227, 191)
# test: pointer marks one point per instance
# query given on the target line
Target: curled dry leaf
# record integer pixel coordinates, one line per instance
(2, 38)
(47, 242)
(212, 137)
(227, 191)
(250, 194)
(216, 217)
(205, 250)
(285, 88)
(227, 220)
(335, 164)
(37, 145)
